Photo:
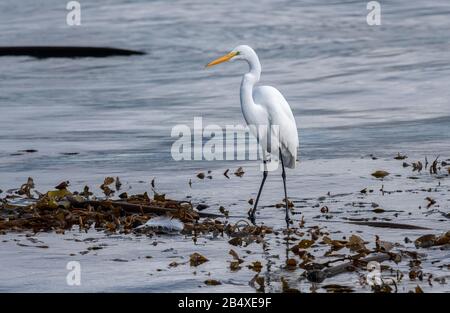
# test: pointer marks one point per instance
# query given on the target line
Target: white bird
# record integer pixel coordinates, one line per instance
(264, 107)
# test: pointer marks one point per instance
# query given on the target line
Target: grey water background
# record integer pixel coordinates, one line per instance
(355, 90)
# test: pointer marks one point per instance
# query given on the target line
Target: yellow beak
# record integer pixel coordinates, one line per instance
(222, 59)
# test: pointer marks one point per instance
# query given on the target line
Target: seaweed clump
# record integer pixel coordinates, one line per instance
(59, 210)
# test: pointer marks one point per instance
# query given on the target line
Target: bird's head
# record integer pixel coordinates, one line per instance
(242, 52)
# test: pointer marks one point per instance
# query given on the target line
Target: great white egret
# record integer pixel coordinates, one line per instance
(265, 106)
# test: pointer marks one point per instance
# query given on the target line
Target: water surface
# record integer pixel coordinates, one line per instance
(355, 90)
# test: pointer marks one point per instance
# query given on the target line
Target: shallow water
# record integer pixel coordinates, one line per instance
(355, 90)
(123, 264)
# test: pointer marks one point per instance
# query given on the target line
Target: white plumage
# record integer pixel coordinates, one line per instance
(264, 107)
(278, 113)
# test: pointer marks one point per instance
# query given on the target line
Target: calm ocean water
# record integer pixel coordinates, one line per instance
(354, 89)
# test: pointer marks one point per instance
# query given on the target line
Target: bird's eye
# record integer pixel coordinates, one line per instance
(237, 53)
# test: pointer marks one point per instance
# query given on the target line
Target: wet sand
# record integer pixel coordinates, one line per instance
(118, 262)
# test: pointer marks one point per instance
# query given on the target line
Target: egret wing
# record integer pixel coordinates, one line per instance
(279, 113)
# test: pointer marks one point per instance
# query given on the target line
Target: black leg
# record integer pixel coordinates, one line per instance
(252, 212)
(283, 174)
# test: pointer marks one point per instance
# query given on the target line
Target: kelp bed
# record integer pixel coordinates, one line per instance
(60, 210)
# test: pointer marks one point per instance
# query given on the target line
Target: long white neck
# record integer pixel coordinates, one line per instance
(248, 82)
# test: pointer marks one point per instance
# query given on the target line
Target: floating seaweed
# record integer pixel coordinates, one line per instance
(315, 253)
(59, 210)
(380, 174)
